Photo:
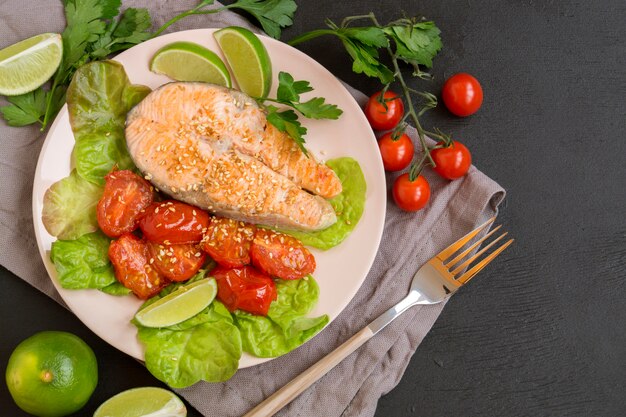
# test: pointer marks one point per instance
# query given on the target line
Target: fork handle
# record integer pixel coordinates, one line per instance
(286, 394)
(294, 388)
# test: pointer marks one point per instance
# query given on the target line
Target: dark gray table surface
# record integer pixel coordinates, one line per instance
(541, 332)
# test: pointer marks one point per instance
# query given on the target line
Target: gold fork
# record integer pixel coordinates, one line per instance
(434, 282)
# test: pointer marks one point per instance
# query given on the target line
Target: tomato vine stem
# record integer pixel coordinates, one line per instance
(395, 73)
(417, 166)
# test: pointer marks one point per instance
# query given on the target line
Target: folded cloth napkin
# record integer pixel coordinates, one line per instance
(409, 240)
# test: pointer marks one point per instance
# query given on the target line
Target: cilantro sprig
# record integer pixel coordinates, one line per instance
(288, 94)
(410, 41)
(96, 29)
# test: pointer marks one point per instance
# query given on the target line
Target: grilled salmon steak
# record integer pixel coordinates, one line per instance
(212, 147)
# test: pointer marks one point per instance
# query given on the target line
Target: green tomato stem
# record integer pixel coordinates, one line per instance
(415, 169)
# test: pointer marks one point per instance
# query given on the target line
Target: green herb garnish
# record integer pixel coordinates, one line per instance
(288, 94)
(95, 29)
(411, 41)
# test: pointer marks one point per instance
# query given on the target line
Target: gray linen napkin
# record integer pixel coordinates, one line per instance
(409, 240)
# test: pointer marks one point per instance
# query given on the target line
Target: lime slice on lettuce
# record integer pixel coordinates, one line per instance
(188, 61)
(248, 59)
(28, 64)
(180, 305)
(144, 401)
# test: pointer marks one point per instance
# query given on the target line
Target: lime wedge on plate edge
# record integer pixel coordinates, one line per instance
(188, 61)
(183, 303)
(248, 59)
(28, 64)
(144, 401)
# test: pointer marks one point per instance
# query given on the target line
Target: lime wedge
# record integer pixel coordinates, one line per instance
(184, 303)
(28, 64)
(188, 61)
(248, 59)
(144, 401)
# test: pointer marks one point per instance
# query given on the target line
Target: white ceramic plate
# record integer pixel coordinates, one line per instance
(340, 270)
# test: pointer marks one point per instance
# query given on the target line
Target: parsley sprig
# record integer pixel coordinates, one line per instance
(288, 94)
(96, 29)
(273, 15)
(411, 41)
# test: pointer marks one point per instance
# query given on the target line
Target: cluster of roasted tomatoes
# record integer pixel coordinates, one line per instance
(158, 242)
(463, 96)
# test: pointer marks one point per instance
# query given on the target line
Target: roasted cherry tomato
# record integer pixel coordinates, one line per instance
(411, 195)
(397, 154)
(174, 222)
(462, 94)
(176, 262)
(453, 161)
(244, 288)
(126, 195)
(130, 258)
(228, 242)
(280, 255)
(382, 118)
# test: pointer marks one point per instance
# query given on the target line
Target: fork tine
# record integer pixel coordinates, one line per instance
(477, 254)
(451, 250)
(463, 254)
(464, 279)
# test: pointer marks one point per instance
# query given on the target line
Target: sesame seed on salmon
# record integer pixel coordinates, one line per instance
(212, 147)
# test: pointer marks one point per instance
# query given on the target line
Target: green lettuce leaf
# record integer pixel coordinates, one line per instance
(348, 205)
(116, 289)
(98, 99)
(69, 207)
(84, 262)
(285, 327)
(133, 94)
(205, 347)
(95, 154)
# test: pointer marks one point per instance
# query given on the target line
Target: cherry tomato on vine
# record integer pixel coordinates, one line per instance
(397, 154)
(462, 94)
(411, 195)
(453, 161)
(381, 118)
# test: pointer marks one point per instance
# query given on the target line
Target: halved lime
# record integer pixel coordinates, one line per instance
(28, 64)
(188, 61)
(184, 303)
(248, 59)
(144, 401)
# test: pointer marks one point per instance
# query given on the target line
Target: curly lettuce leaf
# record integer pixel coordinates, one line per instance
(98, 99)
(84, 262)
(207, 348)
(285, 327)
(69, 207)
(348, 205)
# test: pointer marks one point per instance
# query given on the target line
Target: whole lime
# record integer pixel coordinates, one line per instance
(52, 374)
